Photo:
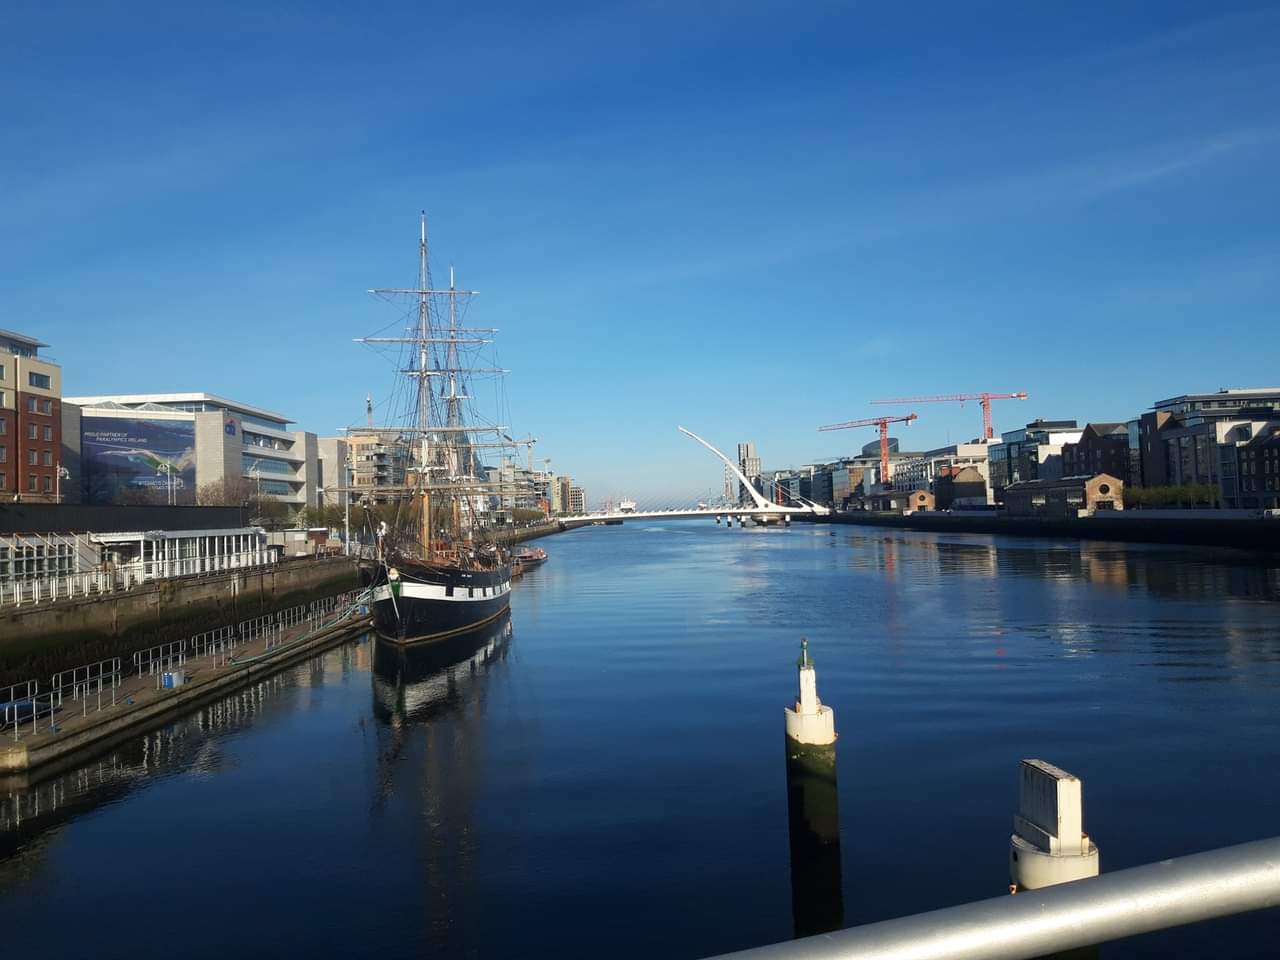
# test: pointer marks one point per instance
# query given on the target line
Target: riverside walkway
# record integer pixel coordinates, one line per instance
(82, 708)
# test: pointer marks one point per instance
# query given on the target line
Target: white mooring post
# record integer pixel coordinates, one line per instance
(813, 808)
(809, 723)
(1049, 845)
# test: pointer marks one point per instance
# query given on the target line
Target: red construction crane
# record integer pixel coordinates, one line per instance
(983, 398)
(883, 423)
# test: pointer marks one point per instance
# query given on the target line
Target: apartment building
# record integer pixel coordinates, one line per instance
(30, 421)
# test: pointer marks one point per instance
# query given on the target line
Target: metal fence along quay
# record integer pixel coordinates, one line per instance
(30, 708)
(1143, 899)
(124, 577)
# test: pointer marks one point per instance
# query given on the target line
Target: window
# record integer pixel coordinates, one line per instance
(40, 380)
(31, 404)
(31, 457)
(4, 454)
(48, 484)
(31, 483)
(48, 458)
(48, 434)
(46, 407)
(4, 482)
(33, 432)
(4, 424)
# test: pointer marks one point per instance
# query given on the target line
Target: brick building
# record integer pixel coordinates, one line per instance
(30, 420)
(1064, 497)
(1102, 448)
(1250, 462)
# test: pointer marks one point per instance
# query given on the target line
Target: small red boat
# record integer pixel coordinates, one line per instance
(529, 556)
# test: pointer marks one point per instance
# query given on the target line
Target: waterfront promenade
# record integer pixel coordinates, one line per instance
(91, 712)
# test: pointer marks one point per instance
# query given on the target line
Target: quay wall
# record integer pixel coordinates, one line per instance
(1246, 534)
(41, 639)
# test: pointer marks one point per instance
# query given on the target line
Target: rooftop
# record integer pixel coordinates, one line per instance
(21, 338)
(1226, 393)
(141, 400)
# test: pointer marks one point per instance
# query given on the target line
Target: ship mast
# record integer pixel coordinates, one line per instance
(444, 440)
(424, 388)
(454, 413)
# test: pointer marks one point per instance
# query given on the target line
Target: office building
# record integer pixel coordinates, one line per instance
(922, 471)
(185, 448)
(1178, 438)
(1033, 452)
(333, 479)
(1250, 467)
(749, 464)
(31, 465)
(379, 466)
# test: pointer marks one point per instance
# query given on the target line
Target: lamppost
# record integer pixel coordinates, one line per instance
(63, 474)
(346, 506)
(167, 470)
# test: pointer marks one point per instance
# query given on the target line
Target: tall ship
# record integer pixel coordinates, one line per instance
(440, 571)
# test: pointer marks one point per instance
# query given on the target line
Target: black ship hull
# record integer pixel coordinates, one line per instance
(420, 603)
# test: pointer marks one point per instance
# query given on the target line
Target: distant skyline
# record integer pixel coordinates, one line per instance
(746, 220)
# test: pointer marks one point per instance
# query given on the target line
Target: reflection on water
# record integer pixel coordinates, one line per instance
(813, 821)
(618, 767)
(1182, 573)
(413, 683)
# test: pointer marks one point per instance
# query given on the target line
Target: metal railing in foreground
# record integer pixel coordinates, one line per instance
(1171, 893)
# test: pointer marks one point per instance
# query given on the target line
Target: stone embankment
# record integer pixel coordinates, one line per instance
(40, 639)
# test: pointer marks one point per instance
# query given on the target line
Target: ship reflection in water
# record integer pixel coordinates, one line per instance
(415, 683)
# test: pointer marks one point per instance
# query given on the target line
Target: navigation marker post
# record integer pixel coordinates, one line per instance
(813, 808)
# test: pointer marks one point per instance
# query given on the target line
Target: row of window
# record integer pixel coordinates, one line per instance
(257, 465)
(33, 483)
(40, 405)
(270, 443)
(33, 430)
(34, 379)
(34, 457)
(32, 561)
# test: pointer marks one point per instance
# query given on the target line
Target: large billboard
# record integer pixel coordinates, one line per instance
(138, 461)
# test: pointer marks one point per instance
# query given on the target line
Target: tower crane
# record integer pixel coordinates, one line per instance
(983, 398)
(883, 424)
(528, 442)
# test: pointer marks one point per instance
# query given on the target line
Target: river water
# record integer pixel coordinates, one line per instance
(607, 776)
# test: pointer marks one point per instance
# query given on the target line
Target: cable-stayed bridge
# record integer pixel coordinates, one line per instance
(760, 511)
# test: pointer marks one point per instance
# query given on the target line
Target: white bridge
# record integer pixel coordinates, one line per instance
(762, 511)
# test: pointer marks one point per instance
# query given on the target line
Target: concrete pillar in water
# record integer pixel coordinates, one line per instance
(1049, 845)
(813, 808)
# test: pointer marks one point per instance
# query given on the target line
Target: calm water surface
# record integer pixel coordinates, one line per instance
(609, 775)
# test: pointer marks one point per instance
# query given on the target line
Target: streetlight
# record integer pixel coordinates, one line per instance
(346, 505)
(63, 474)
(167, 469)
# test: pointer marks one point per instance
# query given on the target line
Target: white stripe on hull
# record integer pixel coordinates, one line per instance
(438, 591)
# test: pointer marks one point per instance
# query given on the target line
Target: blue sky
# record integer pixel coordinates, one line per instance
(749, 219)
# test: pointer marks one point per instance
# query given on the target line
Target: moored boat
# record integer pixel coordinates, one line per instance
(529, 557)
(440, 571)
